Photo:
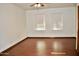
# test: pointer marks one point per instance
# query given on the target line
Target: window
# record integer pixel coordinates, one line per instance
(40, 22)
(56, 21)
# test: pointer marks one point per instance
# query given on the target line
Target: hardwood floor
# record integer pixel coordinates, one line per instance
(44, 47)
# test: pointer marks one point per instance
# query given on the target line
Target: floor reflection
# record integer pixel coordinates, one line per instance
(41, 47)
(57, 46)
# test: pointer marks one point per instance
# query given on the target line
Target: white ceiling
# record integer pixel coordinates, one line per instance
(27, 6)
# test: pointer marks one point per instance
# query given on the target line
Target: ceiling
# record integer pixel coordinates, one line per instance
(27, 6)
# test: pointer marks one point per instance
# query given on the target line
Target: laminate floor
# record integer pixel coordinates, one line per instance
(44, 47)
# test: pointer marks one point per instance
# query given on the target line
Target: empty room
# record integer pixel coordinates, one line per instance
(39, 29)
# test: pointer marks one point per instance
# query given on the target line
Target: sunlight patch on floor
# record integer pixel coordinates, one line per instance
(41, 48)
(57, 46)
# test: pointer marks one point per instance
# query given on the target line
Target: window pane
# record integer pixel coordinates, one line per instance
(56, 21)
(40, 22)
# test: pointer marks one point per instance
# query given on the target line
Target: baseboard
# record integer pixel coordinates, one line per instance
(13, 45)
(51, 37)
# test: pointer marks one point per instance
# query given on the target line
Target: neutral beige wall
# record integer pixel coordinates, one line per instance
(12, 25)
(69, 22)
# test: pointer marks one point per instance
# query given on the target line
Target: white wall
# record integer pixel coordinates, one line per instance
(12, 25)
(69, 23)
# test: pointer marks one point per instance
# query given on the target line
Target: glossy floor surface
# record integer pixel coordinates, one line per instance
(44, 47)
